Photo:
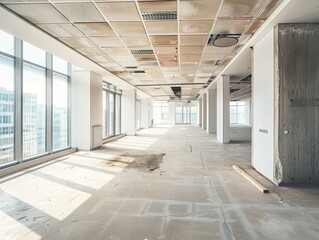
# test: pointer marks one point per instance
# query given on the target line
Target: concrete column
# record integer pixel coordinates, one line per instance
(211, 111)
(146, 116)
(223, 109)
(171, 113)
(86, 109)
(204, 111)
(200, 112)
(128, 111)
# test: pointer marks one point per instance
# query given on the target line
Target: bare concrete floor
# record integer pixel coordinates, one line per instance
(193, 195)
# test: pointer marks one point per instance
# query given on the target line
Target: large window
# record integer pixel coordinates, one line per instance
(186, 113)
(34, 110)
(111, 112)
(240, 112)
(138, 113)
(160, 112)
(6, 108)
(60, 111)
(34, 101)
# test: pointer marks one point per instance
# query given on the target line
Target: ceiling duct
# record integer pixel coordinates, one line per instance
(177, 91)
(223, 40)
(143, 52)
(159, 16)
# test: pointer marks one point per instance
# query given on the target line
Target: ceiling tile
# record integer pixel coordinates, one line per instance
(149, 6)
(78, 42)
(193, 40)
(230, 26)
(161, 27)
(23, 1)
(164, 39)
(80, 12)
(136, 41)
(116, 51)
(145, 58)
(91, 51)
(213, 49)
(96, 29)
(38, 13)
(107, 41)
(191, 50)
(270, 8)
(247, 8)
(198, 9)
(190, 58)
(121, 11)
(165, 50)
(194, 27)
(128, 28)
(61, 30)
(101, 59)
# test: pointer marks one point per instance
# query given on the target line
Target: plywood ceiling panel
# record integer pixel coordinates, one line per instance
(38, 13)
(195, 27)
(148, 6)
(161, 27)
(119, 11)
(198, 9)
(128, 28)
(61, 30)
(80, 12)
(136, 41)
(107, 42)
(96, 29)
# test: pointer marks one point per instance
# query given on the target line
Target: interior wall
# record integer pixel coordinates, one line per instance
(96, 105)
(128, 111)
(171, 113)
(211, 111)
(146, 117)
(204, 111)
(222, 114)
(298, 133)
(80, 107)
(263, 107)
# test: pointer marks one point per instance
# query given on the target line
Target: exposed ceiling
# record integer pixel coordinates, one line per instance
(153, 45)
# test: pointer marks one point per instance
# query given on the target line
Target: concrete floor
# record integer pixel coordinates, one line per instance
(194, 195)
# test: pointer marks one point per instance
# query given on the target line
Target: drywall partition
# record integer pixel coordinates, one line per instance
(222, 115)
(298, 94)
(204, 111)
(146, 116)
(86, 109)
(171, 113)
(263, 107)
(211, 111)
(80, 109)
(200, 102)
(128, 106)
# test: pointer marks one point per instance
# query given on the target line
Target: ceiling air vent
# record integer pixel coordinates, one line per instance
(131, 67)
(144, 52)
(159, 16)
(148, 64)
(223, 40)
(137, 71)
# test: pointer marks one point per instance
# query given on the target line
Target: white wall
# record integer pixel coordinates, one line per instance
(80, 109)
(146, 116)
(171, 113)
(200, 113)
(204, 111)
(211, 111)
(96, 105)
(223, 109)
(86, 107)
(128, 106)
(263, 107)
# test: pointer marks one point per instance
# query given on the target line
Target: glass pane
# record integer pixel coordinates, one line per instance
(6, 110)
(138, 114)
(104, 133)
(194, 115)
(60, 112)
(34, 108)
(111, 114)
(179, 115)
(118, 114)
(157, 114)
(7, 43)
(59, 65)
(33, 54)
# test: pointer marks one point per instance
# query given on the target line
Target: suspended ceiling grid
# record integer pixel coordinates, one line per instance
(151, 44)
